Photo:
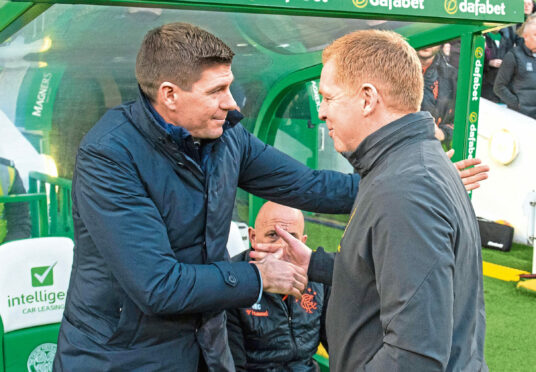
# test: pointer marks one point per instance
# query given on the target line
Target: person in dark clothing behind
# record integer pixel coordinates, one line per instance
(400, 297)
(439, 96)
(14, 217)
(280, 333)
(498, 43)
(516, 80)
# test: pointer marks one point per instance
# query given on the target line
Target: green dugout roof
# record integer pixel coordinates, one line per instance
(14, 14)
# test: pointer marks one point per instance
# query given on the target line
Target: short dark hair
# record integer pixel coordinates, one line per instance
(178, 53)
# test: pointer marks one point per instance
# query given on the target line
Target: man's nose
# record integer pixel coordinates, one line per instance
(322, 115)
(228, 103)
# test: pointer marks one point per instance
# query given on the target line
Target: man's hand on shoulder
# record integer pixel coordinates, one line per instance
(470, 171)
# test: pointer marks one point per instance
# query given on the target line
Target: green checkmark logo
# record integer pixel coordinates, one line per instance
(43, 276)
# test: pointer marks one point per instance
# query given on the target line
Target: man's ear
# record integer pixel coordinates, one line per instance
(304, 239)
(251, 233)
(369, 94)
(168, 95)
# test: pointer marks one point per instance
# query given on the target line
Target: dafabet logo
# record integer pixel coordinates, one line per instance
(475, 7)
(360, 3)
(479, 52)
(473, 116)
(451, 6)
(390, 4)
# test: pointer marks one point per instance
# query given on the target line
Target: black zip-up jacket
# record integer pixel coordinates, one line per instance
(280, 333)
(516, 80)
(407, 290)
(494, 51)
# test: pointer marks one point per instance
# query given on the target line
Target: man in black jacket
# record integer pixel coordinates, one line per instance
(400, 299)
(516, 80)
(498, 43)
(280, 333)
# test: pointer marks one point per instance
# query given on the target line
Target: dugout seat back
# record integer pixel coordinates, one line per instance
(33, 285)
(238, 241)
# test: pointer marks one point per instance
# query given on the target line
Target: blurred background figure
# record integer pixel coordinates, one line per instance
(515, 84)
(14, 217)
(439, 91)
(498, 43)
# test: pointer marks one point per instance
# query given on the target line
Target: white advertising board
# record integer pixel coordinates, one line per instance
(33, 281)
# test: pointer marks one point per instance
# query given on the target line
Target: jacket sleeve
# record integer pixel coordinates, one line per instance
(414, 268)
(502, 81)
(323, 333)
(19, 225)
(130, 234)
(236, 340)
(321, 266)
(271, 174)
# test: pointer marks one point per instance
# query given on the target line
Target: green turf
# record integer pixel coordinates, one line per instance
(322, 236)
(519, 257)
(511, 327)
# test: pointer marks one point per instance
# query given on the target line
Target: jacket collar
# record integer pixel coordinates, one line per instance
(524, 48)
(145, 118)
(411, 127)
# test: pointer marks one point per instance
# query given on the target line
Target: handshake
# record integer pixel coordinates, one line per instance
(283, 264)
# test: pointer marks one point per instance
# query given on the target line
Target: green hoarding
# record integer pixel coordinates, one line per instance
(477, 69)
(477, 10)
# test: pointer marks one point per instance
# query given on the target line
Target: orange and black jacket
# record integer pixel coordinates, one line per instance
(440, 95)
(280, 333)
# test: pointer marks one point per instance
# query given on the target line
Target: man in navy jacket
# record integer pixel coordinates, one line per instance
(153, 192)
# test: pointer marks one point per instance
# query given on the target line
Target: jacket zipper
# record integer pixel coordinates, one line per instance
(288, 305)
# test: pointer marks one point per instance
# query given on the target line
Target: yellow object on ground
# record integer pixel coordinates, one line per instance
(322, 352)
(501, 272)
(528, 285)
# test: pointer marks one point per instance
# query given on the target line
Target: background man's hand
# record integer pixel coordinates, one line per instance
(470, 176)
(292, 250)
(281, 277)
(495, 63)
(439, 133)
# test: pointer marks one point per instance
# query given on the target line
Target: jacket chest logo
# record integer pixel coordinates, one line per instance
(308, 302)
(256, 313)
